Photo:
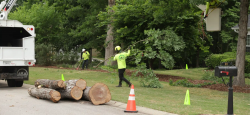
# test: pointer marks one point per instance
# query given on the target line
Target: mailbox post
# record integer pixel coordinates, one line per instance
(228, 71)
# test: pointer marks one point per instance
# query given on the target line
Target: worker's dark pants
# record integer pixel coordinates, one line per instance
(121, 76)
(85, 62)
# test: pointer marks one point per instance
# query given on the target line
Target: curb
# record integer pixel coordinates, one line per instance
(138, 108)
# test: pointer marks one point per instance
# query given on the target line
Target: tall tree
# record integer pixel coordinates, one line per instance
(133, 17)
(109, 50)
(241, 45)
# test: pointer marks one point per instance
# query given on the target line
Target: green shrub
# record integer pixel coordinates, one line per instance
(216, 59)
(186, 83)
(65, 58)
(43, 54)
(209, 75)
(46, 55)
(148, 78)
(247, 75)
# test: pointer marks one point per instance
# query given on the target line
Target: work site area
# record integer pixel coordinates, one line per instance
(123, 57)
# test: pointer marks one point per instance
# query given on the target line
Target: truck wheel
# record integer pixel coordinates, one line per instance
(19, 83)
(11, 82)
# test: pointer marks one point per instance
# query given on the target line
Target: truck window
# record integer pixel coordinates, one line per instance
(12, 36)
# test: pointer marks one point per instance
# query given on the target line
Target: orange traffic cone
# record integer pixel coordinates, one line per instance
(131, 106)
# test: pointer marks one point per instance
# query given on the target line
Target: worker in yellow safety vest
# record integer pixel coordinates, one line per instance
(121, 61)
(85, 57)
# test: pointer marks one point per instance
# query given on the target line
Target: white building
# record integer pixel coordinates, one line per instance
(236, 29)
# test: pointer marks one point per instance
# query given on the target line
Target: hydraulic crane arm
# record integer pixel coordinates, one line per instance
(9, 5)
(7, 9)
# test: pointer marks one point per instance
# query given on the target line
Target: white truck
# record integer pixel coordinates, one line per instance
(17, 48)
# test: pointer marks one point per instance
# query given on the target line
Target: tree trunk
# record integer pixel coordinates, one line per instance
(77, 82)
(97, 94)
(151, 63)
(197, 56)
(159, 64)
(44, 93)
(52, 84)
(109, 50)
(241, 45)
(90, 57)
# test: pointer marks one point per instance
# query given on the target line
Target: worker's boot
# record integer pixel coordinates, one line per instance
(120, 84)
(129, 85)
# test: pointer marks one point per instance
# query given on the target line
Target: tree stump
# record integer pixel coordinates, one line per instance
(45, 93)
(97, 94)
(52, 84)
(77, 82)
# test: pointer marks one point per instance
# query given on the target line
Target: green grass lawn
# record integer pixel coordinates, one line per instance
(169, 98)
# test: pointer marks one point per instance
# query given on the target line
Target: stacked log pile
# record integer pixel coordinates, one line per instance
(76, 89)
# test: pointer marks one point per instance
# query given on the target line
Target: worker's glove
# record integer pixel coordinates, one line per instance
(205, 17)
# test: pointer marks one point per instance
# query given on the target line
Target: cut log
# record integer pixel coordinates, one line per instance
(97, 94)
(77, 82)
(71, 92)
(52, 84)
(45, 93)
(74, 89)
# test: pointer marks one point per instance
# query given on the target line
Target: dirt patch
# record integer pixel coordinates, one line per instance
(166, 78)
(223, 87)
(219, 87)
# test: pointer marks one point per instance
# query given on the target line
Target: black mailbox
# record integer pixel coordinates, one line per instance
(225, 71)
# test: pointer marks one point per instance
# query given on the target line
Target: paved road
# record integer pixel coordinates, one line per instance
(17, 101)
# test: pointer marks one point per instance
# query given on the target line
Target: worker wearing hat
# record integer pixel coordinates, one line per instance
(121, 61)
(85, 57)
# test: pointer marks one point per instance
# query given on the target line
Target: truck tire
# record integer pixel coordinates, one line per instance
(11, 82)
(19, 83)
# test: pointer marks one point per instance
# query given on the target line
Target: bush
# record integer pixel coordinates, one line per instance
(46, 55)
(216, 59)
(209, 75)
(247, 75)
(186, 83)
(65, 58)
(43, 54)
(148, 78)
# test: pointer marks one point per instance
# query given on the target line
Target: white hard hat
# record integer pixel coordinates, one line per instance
(83, 50)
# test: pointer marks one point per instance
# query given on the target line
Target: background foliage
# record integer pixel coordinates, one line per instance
(76, 24)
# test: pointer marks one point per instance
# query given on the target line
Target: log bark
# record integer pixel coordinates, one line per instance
(77, 82)
(52, 84)
(71, 92)
(45, 93)
(97, 94)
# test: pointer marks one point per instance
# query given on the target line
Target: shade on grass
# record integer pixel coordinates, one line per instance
(168, 98)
